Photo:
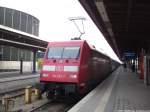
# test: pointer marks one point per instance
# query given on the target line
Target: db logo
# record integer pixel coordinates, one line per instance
(60, 61)
(59, 68)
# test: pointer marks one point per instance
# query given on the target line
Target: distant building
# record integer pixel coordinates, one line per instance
(21, 22)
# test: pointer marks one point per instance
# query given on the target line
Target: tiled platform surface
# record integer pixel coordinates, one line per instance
(121, 92)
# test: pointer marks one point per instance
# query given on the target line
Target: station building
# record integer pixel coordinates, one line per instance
(19, 33)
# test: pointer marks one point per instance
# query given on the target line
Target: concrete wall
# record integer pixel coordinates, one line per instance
(15, 65)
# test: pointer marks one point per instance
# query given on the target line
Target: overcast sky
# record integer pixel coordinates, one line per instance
(54, 23)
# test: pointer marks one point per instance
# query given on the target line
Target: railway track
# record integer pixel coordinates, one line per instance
(61, 105)
(15, 97)
(44, 105)
(10, 86)
(39, 107)
(52, 106)
(18, 92)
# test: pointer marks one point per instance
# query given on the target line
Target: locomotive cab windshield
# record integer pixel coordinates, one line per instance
(71, 52)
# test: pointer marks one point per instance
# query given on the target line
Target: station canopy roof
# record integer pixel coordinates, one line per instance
(16, 38)
(124, 23)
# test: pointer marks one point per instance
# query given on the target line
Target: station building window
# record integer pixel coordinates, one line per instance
(29, 25)
(2, 15)
(16, 19)
(14, 54)
(23, 21)
(1, 53)
(29, 56)
(8, 17)
(8, 53)
(22, 55)
(25, 55)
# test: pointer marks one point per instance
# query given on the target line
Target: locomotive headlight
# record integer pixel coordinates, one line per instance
(49, 68)
(74, 76)
(71, 68)
(44, 75)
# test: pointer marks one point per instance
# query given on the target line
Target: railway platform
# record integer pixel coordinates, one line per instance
(15, 74)
(122, 91)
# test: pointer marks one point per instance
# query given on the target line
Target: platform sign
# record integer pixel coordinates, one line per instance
(129, 55)
(40, 54)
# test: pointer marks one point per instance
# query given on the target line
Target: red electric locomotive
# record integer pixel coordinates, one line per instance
(72, 67)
